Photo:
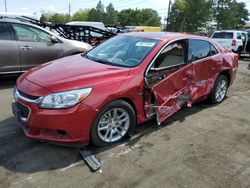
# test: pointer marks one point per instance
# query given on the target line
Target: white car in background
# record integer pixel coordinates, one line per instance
(232, 39)
(98, 25)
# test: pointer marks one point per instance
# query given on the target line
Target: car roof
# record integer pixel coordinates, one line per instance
(12, 20)
(166, 36)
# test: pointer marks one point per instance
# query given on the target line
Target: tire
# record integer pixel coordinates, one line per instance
(109, 128)
(219, 92)
(239, 51)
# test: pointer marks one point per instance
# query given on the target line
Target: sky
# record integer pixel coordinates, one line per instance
(62, 6)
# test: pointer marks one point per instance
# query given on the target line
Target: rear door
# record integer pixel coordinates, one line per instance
(9, 51)
(206, 63)
(35, 46)
(170, 79)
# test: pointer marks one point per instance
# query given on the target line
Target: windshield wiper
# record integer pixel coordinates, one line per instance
(103, 61)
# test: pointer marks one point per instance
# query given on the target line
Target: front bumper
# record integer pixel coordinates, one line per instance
(62, 126)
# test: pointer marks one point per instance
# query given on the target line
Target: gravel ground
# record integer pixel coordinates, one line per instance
(202, 146)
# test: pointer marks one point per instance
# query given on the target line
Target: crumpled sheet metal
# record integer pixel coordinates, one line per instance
(170, 106)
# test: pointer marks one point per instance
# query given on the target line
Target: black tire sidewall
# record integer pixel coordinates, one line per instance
(114, 104)
(239, 51)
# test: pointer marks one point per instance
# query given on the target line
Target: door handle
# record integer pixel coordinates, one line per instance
(26, 48)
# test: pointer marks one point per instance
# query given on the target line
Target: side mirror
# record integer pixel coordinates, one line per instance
(54, 39)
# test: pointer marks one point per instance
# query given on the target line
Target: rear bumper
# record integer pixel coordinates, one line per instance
(62, 126)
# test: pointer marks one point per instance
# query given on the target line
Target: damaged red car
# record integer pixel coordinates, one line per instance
(100, 96)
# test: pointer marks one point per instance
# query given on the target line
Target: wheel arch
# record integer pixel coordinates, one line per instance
(122, 99)
(227, 74)
(128, 100)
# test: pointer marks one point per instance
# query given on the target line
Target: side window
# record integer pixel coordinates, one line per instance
(30, 34)
(5, 32)
(198, 49)
(238, 35)
(172, 55)
(213, 50)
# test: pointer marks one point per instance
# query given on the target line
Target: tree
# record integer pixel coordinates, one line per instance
(229, 14)
(81, 15)
(43, 18)
(190, 15)
(197, 13)
(239, 14)
(97, 14)
(222, 13)
(127, 17)
(111, 17)
(92, 14)
(176, 18)
(136, 17)
(59, 18)
(148, 17)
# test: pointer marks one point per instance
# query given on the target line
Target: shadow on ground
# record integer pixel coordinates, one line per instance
(245, 58)
(8, 81)
(21, 154)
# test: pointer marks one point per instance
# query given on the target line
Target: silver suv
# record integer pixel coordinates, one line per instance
(24, 45)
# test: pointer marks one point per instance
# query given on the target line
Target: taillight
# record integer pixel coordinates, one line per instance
(233, 42)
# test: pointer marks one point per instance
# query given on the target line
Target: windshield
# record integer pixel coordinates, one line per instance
(124, 51)
(222, 35)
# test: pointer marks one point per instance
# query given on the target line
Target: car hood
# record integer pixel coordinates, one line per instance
(74, 72)
(83, 46)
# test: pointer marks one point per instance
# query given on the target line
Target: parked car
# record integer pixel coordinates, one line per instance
(98, 25)
(23, 46)
(232, 39)
(100, 96)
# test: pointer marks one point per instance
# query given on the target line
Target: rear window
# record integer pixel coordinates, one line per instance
(223, 35)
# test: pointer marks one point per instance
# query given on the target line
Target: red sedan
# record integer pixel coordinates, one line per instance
(100, 96)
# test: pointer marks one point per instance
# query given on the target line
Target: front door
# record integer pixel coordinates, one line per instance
(170, 79)
(35, 46)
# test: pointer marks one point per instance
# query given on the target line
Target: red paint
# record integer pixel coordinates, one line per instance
(110, 83)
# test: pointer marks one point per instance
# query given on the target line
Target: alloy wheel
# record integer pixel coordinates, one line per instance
(221, 90)
(113, 125)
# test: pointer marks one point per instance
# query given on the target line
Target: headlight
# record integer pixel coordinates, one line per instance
(64, 99)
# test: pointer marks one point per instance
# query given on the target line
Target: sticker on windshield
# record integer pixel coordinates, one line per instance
(145, 44)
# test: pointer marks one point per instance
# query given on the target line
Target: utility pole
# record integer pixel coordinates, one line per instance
(5, 5)
(169, 5)
(69, 8)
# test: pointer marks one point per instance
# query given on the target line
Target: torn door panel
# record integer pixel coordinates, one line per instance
(170, 106)
(202, 88)
(171, 92)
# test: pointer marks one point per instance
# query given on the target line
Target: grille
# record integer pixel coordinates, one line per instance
(24, 110)
(28, 96)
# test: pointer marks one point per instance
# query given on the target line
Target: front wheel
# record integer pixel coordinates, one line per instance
(219, 90)
(113, 123)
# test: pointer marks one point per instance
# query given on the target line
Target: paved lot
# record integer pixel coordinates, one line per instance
(202, 146)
